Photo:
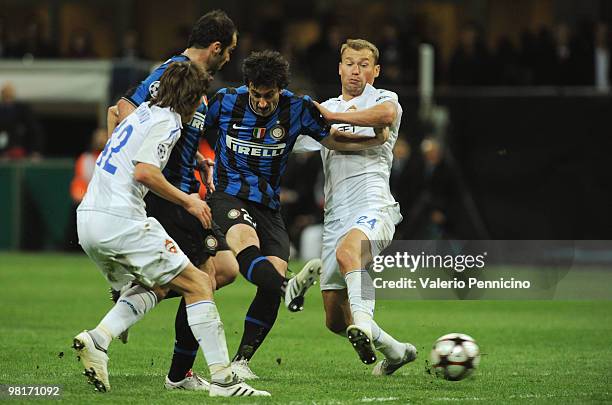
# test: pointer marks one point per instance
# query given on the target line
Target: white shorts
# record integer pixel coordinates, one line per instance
(377, 224)
(129, 250)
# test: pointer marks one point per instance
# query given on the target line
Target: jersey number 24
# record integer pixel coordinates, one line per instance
(362, 220)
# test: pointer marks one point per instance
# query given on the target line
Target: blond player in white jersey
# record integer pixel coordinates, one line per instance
(128, 247)
(360, 212)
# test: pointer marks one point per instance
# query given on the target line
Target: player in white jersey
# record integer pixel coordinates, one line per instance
(128, 247)
(360, 212)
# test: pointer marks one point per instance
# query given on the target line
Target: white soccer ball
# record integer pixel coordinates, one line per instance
(454, 356)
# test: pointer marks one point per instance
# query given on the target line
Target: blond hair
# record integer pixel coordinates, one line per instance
(358, 45)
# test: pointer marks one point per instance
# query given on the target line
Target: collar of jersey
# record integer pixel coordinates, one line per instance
(175, 115)
(366, 90)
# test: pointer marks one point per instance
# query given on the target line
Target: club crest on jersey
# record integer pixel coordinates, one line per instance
(259, 133)
(277, 132)
(211, 242)
(170, 246)
(233, 213)
(162, 151)
(153, 87)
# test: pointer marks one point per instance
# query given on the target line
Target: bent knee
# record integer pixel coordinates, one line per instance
(241, 236)
(226, 268)
(227, 276)
(200, 282)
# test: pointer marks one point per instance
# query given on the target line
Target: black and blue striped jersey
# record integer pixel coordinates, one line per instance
(251, 150)
(180, 168)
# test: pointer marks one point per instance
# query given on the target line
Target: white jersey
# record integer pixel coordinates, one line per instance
(148, 136)
(357, 181)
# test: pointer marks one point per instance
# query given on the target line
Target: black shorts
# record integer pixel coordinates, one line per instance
(228, 211)
(186, 230)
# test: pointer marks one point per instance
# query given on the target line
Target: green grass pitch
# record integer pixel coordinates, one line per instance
(543, 352)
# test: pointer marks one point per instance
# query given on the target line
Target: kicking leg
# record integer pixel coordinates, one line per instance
(360, 290)
(352, 252)
(337, 311)
(267, 273)
(396, 354)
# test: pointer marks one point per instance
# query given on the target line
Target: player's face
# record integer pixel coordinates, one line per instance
(263, 100)
(216, 62)
(356, 69)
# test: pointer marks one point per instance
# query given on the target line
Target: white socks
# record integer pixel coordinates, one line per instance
(207, 328)
(128, 310)
(360, 290)
(386, 344)
(202, 316)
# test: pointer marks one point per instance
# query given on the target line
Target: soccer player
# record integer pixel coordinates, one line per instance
(257, 126)
(130, 247)
(360, 212)
(212, 40)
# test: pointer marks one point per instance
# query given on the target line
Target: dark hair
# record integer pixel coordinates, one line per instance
(181, 88)
(266, 68)
(212, 27)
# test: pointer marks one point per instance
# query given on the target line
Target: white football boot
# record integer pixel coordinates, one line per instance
(300, 283)
(235, 388)
(242, 370)
(386, 367)
(94, 359)
(191, 382)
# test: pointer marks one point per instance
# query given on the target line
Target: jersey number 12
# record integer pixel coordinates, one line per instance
(114, 145)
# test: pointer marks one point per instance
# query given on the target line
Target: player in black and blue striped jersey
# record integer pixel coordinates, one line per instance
(211, 42)
(257, 126)
(181, 167)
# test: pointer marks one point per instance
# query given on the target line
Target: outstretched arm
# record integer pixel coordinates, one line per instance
(347, 142)
(380, 115)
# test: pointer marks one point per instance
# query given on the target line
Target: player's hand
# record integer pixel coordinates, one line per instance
(328, 115)
(199, 209)
(206, 173)
(381, 135)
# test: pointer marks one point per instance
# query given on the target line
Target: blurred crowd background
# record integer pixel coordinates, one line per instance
(477, 42)
(518, 149)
